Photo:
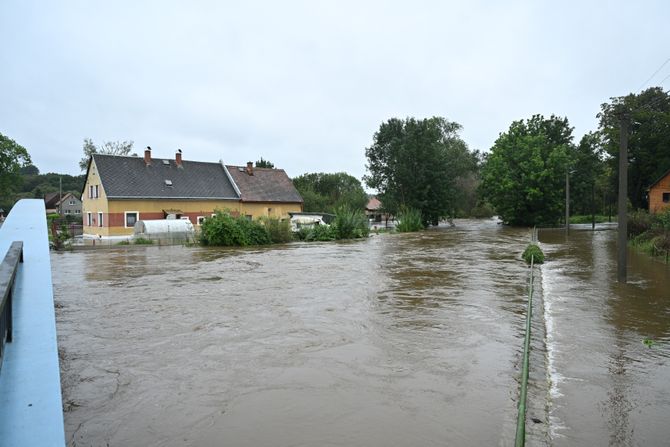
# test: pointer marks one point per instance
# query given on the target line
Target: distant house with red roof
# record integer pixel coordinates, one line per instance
(659, 194)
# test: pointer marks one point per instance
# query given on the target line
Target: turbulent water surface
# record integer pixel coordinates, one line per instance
(406, 339)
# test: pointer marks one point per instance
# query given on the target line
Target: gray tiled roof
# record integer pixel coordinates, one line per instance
(266, 185)
(129, 177)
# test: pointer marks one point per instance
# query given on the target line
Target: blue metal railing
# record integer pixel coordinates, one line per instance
(8, 270)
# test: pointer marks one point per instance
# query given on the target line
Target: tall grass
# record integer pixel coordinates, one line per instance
(350, 223)
(278, 229)
(409, 219)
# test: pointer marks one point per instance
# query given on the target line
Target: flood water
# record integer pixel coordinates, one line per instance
(397, 340)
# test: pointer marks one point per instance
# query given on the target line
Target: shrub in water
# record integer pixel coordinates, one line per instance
(321, 233)
(409, 219)
(535, 252)
(279, 230)
(350, 224)
(225, 230)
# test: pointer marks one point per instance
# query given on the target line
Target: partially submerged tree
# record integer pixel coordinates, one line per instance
(524, 173)
(416, 164)
(327, 192)
(108, 147)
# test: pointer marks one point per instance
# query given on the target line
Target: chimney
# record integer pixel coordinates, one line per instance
(177, 158)
(147, 156)
(250, 168)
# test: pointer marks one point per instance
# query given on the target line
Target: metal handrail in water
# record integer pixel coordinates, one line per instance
(8, 270)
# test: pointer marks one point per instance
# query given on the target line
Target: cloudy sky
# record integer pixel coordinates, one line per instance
(306, 84)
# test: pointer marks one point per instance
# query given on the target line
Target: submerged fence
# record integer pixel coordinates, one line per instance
(520, 439)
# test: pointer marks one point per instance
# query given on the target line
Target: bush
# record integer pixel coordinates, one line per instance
(321, 233)
(534, 251)
(225, 230)
(350, 224)
(142, 241)
(639, 222)
(279, 230)
(482, 211)
(409, 219)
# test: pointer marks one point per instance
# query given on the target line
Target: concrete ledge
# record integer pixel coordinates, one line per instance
(31, 410)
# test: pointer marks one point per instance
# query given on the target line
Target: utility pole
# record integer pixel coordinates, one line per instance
(567, 201)
(60, 196)
(622, 247)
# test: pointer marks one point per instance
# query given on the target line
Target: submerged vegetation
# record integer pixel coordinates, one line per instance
(650, 233)
(224, 229)
(534, 252)
(409, 219)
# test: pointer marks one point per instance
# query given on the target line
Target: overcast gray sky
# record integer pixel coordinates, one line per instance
(306, 84)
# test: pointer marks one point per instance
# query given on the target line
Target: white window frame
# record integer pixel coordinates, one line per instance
(90, 191)
(77, 211)
(100, 219)
(67, 211)
(71, 202)
(97, 191)
(200, 219)
(89, 219)
(125, 218)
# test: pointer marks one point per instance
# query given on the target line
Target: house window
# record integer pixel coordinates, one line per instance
(77, 211)
(131, 217)
(666, 197)
(71, 202)
(90, 191)
(96, 192)
(99, 219)
(249, 217)
(89, 219)
(200, 219)
(67, 211)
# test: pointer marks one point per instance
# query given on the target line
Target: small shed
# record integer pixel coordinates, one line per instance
(173, 230)
(659, 193)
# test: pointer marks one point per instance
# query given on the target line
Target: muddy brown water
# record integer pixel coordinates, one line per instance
(397, 340)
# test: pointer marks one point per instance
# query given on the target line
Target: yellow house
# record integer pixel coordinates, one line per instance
(121, 190)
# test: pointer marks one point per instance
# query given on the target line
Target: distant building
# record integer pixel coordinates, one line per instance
(373, 210)
(659, 194)
(65, 205)
(121, 190)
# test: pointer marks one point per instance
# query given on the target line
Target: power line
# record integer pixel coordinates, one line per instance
(664, 79)
(655, 73)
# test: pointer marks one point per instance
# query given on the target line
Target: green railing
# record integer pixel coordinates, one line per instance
(520, 439)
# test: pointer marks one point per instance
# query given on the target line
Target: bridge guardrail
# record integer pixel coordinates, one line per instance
(8, 268)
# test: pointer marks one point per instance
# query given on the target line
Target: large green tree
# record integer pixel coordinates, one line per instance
(416, 163)
(108, 147)
(13, 157)
(649, 139)
(524, 173)
(587, 168)
(326, 192)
